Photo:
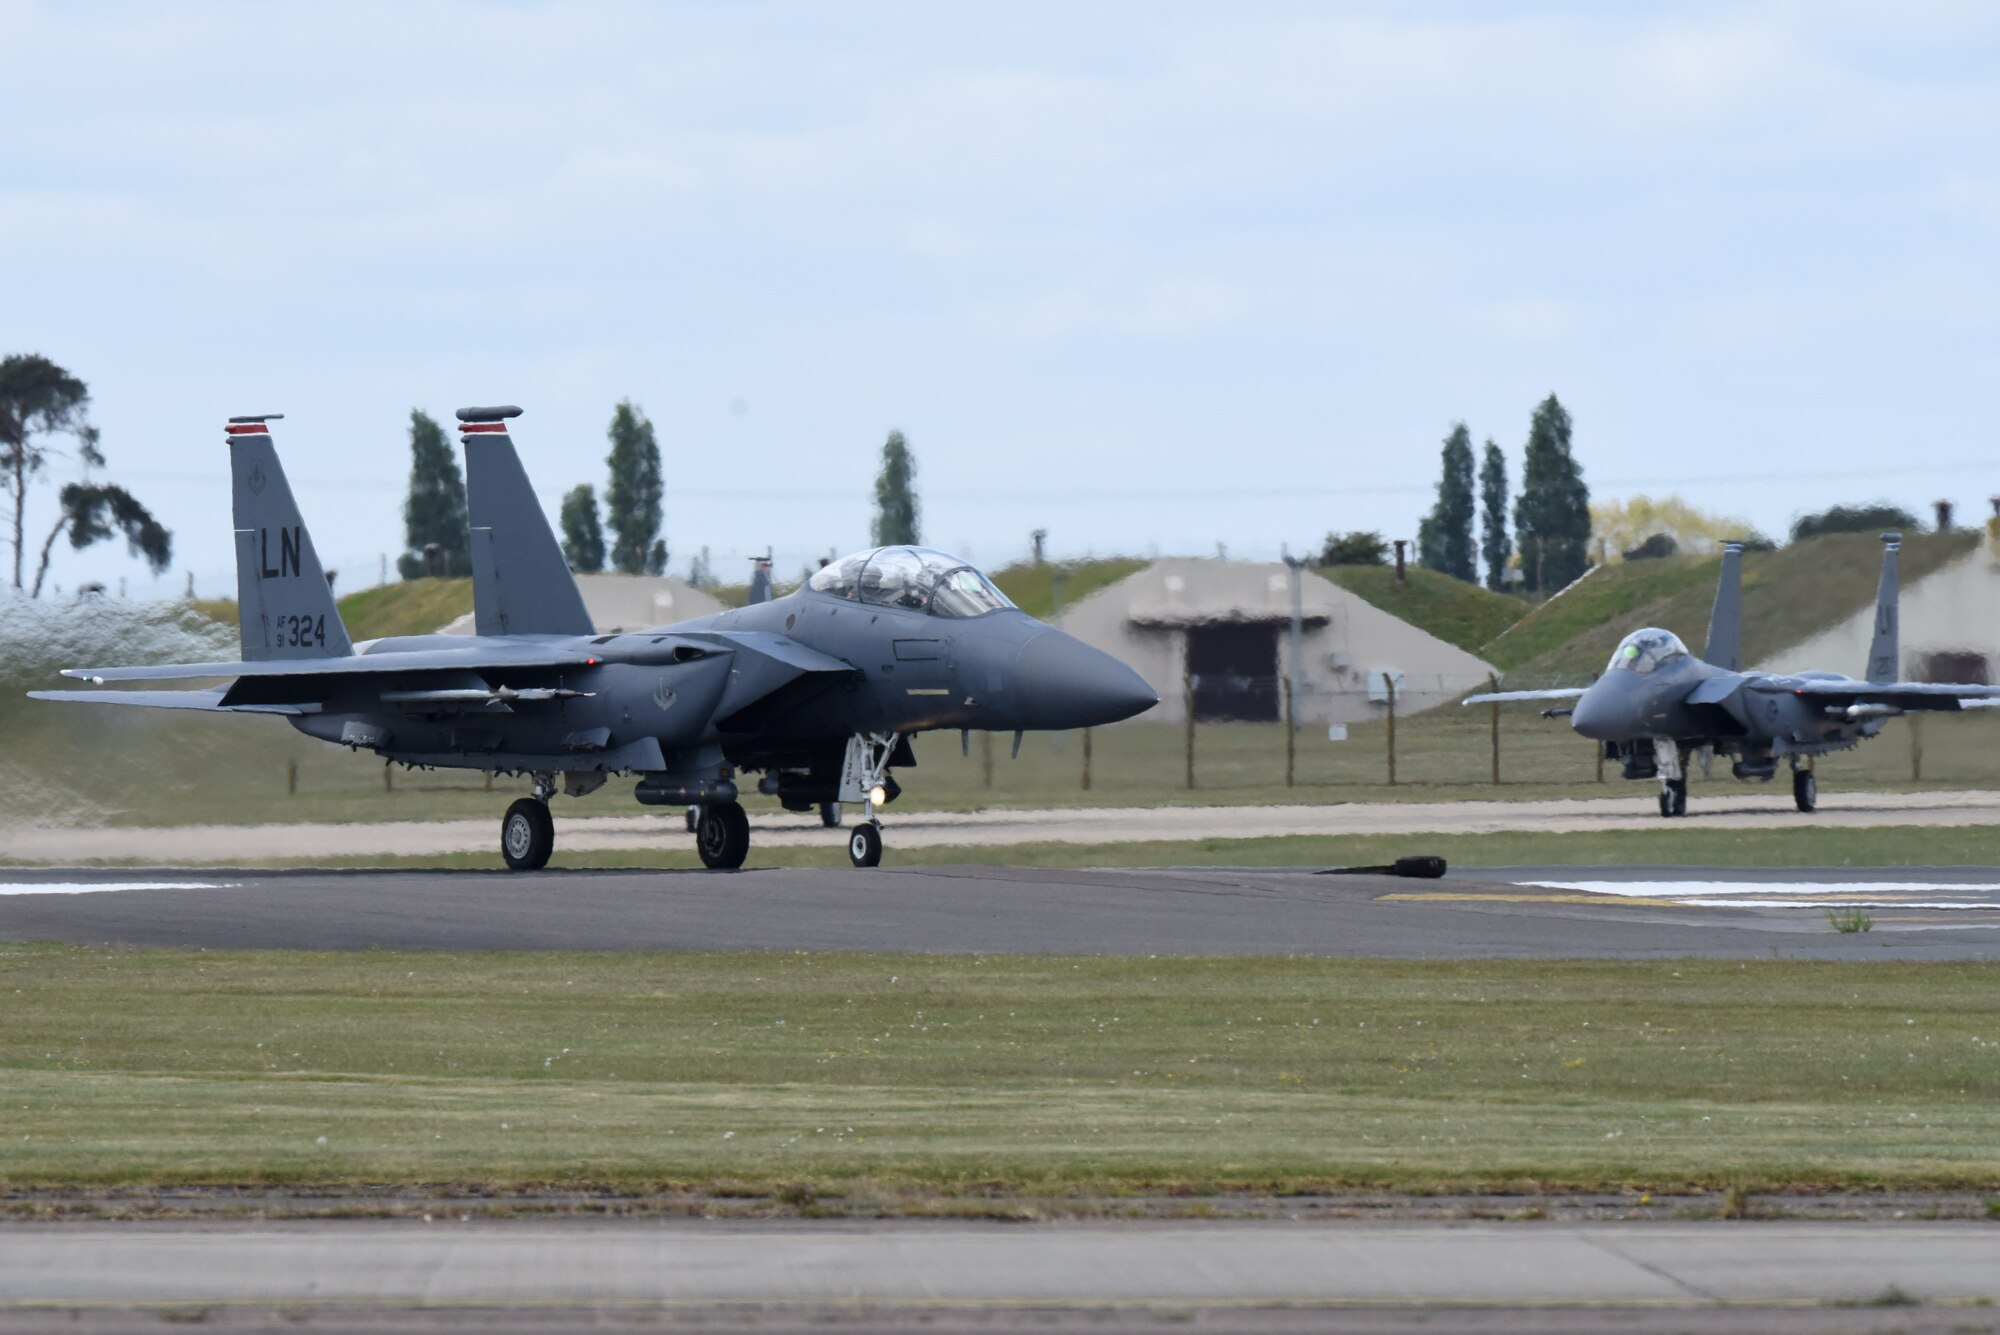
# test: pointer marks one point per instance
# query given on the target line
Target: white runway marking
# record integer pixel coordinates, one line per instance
(97, 887)
(1796, 894)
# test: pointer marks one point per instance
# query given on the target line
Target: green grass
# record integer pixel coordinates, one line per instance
(1459, 613)
(1033, 588)
(992, 1076)
(405, 607)
(177, 769)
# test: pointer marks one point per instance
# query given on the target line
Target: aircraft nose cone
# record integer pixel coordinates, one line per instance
(1061, 682)
(1599, 718)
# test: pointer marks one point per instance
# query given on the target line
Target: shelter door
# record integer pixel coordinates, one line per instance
(1235, 672)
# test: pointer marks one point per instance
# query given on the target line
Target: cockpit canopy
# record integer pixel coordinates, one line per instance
(1643, 651)
(916, 579)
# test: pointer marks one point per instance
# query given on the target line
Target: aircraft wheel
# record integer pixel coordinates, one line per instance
(723, 836)
(527, 835)
(1666, 803)
(1805, 789)
(829, 815)
(1680, 797)
(693, 819)
(864, 846)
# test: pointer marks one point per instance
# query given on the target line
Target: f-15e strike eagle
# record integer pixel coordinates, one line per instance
(1657, 705)
(819, 691)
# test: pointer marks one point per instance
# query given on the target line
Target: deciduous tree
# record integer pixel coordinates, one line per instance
(896, 506)
(1552, 517)
(1496, 545)
(39, 400)
(583, 533)
(434, 512)
(635, 499)
(1444, 536)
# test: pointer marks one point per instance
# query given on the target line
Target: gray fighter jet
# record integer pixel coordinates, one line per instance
(1657, 706)
(818, 692)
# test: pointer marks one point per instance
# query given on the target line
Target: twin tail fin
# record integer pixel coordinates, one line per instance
(285, 605)
(521, 584)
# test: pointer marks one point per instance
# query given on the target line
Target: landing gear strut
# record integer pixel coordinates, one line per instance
(527, 831)
(1673, 777)
(864, 776)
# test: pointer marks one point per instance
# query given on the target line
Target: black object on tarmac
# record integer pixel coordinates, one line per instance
(1426, 868)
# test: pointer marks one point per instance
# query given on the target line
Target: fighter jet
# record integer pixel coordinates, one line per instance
(1657, 706)
(818, 692)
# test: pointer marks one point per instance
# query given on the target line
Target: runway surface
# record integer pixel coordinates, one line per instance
(589, 828)
(446, 1264)
(1633, 912)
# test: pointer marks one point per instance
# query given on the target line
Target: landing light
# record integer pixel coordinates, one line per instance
(877, 795)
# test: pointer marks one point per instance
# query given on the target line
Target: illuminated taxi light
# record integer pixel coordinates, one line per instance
(877, 795)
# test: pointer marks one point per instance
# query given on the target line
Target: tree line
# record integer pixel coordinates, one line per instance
(633, 509)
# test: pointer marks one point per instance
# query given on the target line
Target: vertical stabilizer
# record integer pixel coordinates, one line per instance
(285, 606)
(1725, 621)
(1883, 653)
(521, 584)
(760, 579)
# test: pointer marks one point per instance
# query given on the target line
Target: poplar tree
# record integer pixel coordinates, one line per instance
(1494, 542)
(1444, 536)
(1552, 518)
(583, 534)
(435, 509)
(896, 507)
(633, 500)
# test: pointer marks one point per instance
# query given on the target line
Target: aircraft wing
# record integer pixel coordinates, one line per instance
(423, 660)
(1505, 697)
(207, 700)
(1894, 697)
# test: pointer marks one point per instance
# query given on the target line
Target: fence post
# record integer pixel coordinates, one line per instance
(1291, 735)
(1390, 682)
(1600, 760)
(1187, 700)
(1916, 748)
(291, 778)
(1493, 683)
(388, 778)
(986, 759)
(1086, 760)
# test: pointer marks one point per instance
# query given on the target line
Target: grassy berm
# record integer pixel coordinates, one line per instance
(874, 1082)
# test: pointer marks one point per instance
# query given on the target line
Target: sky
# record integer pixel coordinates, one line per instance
(1155, 277)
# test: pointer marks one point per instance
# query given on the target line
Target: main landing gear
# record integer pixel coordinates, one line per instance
(527, 831)
(1805, 788)
(722, 835)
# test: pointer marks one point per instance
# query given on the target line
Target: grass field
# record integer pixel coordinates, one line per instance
(151, 768)
(862, 1076)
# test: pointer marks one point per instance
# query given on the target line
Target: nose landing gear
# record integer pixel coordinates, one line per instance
(864, 778)
(1805, 788)
(722, 835)
(1669, 763)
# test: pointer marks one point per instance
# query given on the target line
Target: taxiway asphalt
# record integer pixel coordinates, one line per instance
(1631, 912)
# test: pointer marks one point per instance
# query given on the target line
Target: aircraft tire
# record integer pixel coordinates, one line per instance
(1666, 804)
(723, 836)
(527, 835)
(829, 815)
(864, 845)
(1680, 797)
(1805, 789)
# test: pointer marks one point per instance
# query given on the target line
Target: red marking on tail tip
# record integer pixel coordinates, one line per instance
(471, 428)
(248, 429)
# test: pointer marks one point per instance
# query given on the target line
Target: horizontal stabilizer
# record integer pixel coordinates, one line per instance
(204, 700)
(1900, 696)
(1506, 697)
(475, 658)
